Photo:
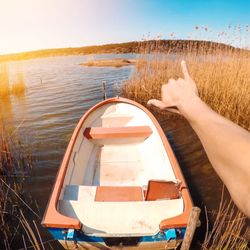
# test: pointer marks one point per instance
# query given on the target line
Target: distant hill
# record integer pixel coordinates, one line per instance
(170, 46)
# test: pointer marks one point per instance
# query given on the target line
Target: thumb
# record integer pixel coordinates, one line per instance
(157, 103)
(161, 105)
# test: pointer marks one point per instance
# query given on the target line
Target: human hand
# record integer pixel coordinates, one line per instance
(176, 94)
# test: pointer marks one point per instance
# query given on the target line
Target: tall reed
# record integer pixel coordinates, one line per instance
(16, 206)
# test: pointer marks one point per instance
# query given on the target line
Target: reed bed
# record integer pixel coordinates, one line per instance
(223, 80)
(18, 216)
(17, 88)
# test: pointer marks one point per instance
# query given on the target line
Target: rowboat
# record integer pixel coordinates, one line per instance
(119, 184)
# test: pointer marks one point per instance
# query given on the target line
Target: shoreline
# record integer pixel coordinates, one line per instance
(167, 46)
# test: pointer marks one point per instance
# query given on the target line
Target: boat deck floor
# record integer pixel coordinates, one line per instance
(118, 166)
(124, 166)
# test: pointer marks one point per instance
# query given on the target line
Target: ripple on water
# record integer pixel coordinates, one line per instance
(59, 91)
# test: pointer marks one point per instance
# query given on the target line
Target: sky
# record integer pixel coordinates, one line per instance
(39, 24)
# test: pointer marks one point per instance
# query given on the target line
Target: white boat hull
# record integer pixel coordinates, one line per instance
(119, 185)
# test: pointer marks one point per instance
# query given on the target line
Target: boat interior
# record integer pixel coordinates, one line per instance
(119, 179)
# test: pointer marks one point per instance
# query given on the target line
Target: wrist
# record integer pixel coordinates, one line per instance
(192, 109)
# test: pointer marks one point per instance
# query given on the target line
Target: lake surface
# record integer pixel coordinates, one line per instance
(59, 91)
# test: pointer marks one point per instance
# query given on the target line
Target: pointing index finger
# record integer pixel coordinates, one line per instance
(184, 70)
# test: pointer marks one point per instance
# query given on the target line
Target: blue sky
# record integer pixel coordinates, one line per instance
(37, 24)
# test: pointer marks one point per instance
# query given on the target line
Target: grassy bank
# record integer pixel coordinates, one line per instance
(223, 81)
(166, 46)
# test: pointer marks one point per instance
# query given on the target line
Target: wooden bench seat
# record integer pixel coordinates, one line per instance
(118, 193)
(117, 132)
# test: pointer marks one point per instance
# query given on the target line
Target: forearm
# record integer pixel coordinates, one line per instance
(227, 146)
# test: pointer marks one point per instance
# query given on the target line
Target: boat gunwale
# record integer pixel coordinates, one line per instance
(54, 219)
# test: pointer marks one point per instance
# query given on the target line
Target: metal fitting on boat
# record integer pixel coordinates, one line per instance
(70, 234)
(170, 234)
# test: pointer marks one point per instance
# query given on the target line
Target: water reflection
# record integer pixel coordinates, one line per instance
(12, 93)
(4, 81)
(6, 111)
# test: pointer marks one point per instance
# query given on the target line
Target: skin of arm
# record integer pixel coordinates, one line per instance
(227, 145)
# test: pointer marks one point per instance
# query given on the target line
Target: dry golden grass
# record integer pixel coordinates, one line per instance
(16, 225)
(223, 80)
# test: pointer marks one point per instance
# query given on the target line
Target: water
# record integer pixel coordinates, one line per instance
(59, 91)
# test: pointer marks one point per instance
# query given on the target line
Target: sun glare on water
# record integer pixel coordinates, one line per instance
(15, 87)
